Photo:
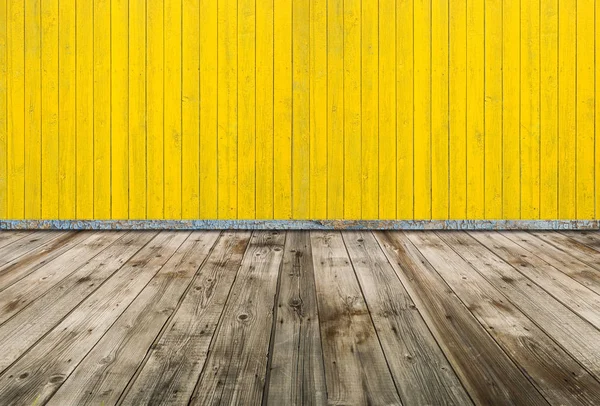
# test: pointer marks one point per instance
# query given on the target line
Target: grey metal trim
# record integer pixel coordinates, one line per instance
(300, 224)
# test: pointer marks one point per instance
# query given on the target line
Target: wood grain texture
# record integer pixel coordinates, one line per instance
(175, 362)
(308, 109)
(296, 374)
(355, 366)
(299, 317)
(237, 361)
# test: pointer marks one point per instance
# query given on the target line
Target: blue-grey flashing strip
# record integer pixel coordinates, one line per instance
(299, 224)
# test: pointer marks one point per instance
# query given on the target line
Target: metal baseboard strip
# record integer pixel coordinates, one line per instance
(299, 224)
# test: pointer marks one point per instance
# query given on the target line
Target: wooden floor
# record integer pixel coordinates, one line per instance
(296, 318)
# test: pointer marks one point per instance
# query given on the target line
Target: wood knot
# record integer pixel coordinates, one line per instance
(243, 316)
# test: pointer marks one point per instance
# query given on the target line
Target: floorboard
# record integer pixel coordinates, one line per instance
(295, 318)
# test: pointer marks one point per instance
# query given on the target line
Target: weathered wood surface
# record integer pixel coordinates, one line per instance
(296, 375)
(297, 318)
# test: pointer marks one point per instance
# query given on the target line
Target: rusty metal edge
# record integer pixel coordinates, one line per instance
(299, 224)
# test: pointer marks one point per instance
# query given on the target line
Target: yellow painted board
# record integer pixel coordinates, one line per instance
(33, 111)
(511, 85)
(102, 111)
(84, 99)
(227, 110)
(67, 158)
(301, 109)
(264, 109)
(549, 109)
(208, 109)
(567, 130)
(282, 109)
(155, 109)
(3, 108)
(585, 110)
(439, 110)
(335, 109)
(119, 118)
(352, 110)
(422, 110)
(597, 114)
(318, 109)
(246, 89)
(387, 110)
(137, 109)
(530, 109)
(493, 109)
(370, 110)
(172, 109)
(49, 95)
(16, 110)
(190, 110)
(457, 116)
(475, 110)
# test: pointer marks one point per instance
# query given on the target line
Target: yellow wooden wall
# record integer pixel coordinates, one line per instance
(303, 109)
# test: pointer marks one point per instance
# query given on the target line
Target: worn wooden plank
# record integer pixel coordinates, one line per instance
(38, 374)
(8, 237)
(422, 373)
(545, 363)
(27, 289)
(23, 266)
(575, 335)
(589, 238)
(237, 362)
(577, 297)
(488, 374)
(175, 362)
(25, 245)
(572, 245)
(296, 375)
(102, 376)
(583, 273)
(23, 330)
(356, 371)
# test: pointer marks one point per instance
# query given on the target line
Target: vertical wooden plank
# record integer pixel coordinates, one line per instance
(348, 337)
(246, 93)
(84, 95)
(301, 109)
(155, 109)
(67, 169)
(597, 111)
(16, 110)
(439, 110)
(493, 109)
(475, 110)
(208, 109)
(137, 109)
(172, 106)
(33, 109)
(335, 109)
(282, 94)
(549, 109)
(102, 118)
(318, 109)
(227, 109)
(567, 130)
(422, 109)
(511, 57)
(530, 109)
(49, 115)
(352, 110)
(190, 110)
(119, 116)
(585, 110)
(387, 110)
(458, 105)
(264, 109)
(3, 107)
(370, 109)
